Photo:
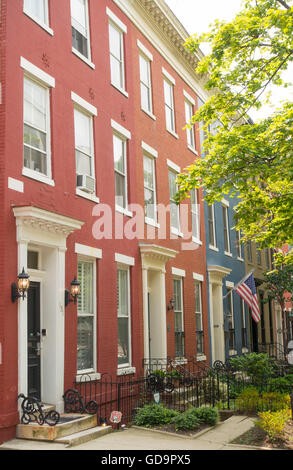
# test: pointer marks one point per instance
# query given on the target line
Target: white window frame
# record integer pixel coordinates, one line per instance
(199, 314)
(39, 80)
(45, 25)
(180, 279)
(150, 220)
(171, 107)
(226, 228)
(85, 259)
(124, 135)
(174, 230)
(190, 131)
(119, 26)
(239, 245)
(195, 212)
(125, 267)
(230, 306)
(148, 86)
(87, 60)
(211, 207)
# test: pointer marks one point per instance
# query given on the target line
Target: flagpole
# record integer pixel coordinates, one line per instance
(240, 282)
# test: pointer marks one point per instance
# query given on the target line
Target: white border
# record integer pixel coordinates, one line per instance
(198, 277)
(144, 50)
(178, 272)
(84, 104)
(189, 98)
(173, 166)
(88, 251)
(123, 259)
(43, 25)
(168, 76)
(15, 185)
(116, 20)
(148, 149)
(120, 129)
(230, 284)
(37, 73)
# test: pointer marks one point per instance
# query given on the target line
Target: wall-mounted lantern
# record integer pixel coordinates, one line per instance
(73, 292)
(171, 304)
(19, 290)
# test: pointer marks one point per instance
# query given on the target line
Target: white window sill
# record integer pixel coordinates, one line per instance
(197, 241)
(173, 133)
(126, 370)
(232, 352)
(228, 253)
(38, 176)
(180, 360)
(90, 197)
(151, 222)
(123, 211)
(82, 57)
(87, 376)
(244, 350)
(120, 89)
(149, 113)
(176, 232)
(192, 150)
(201, 357)
(39, 22)
(240, 259)
(214, 248)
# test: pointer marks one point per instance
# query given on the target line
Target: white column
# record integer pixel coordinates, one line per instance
(22, 325)
(163, 313)
(145, 311)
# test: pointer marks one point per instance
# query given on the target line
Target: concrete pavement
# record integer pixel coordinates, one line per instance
(216, 438)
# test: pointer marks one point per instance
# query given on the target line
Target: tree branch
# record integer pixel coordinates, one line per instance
(284, 4)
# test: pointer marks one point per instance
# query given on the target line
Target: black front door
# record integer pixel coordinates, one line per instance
(33, 340)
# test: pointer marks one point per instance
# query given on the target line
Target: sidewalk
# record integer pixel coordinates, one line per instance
(217, 438)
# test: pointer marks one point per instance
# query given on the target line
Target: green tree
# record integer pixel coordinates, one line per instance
(279, 281)
(252, 160)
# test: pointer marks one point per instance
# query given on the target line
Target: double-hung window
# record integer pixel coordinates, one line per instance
(198, 319)
(36, 128)
(243, 324)
(226, 228)
(249, 250)
(195, 214)
(169, 105)
(116, 42)
(179, 321)
(86, 317)
(211, 226)
(84, 150)
(80, 27)
(38, 11)
(123, 312)
(230, 315)
(120, 168)
(190, 128)
(150, 198)
(239, 245)
(145, 83)
(174, 207)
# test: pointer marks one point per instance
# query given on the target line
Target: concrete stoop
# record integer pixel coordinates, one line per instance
(76, 429)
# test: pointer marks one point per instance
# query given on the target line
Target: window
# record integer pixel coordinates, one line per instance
(145, 83)
(86, 320)
(117, 56)
(178, 312)
(149, 188)
(267, 256)
(190, 129)
(38, 9)
(226, 229)
(123, 311)
(230, 315)
(169, 106)
(36, 128)
(120, 168)
(249, 251)
(84, 145)
(80, 27)
(195, 214)
(211, 225)
(198, 319)
(174, 207)
(258, 254)
(238, 244)
(243, 323)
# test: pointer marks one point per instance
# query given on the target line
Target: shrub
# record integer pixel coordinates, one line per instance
(273, 423)
(250, 400)
(282, 384)
(259, 366)
(205, 415)
(185, 421)
(152, 415)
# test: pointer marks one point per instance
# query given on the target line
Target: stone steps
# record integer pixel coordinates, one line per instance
(84, 436)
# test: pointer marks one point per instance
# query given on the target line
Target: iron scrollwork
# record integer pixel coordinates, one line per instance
(32, 412)
(73, 403)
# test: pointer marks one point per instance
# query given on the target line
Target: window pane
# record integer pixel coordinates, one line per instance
(123, 341)
(149, 201)
(115, 42)
(83, 164)
(168, 94)
(122, 290)
(35, 160)
(35, 104)
(85, 277)
(145, 97)
(119, 154)
(123, 316)
(85, 343)
(37, 8)
(82, 125)
(120, 191)
(34, 138)
(78, 15)
(79, 42)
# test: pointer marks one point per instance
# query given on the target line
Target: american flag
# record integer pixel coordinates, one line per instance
(247, 290)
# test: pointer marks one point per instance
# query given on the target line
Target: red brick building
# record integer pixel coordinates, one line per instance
(94, 100)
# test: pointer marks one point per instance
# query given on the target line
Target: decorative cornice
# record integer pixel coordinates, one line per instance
(156, 252)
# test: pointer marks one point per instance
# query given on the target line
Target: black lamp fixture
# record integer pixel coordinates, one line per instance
(19, 290)
(171, 304)
(73, 292)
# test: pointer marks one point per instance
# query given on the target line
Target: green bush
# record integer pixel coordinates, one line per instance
(205, 415)
(154, 415)
(250, 400)
(282, 384)
(273, 423)
(185, 422)
(259, 366)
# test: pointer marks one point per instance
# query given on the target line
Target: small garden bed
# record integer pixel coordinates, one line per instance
(259, 438)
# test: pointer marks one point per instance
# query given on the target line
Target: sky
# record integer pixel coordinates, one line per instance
(197, 15)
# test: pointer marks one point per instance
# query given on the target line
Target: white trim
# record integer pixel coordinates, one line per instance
(35, 175)
(84, 58)
(168, 76)
(150, 150)
(120, 89)
(144, 50)
(189, 98)
(197, 241)
(198, 277)
(38, 21)
(123, 259)
(88, 251)
(15, 185)
(87, 377)
(178, 272)
(228, 253)
(116, 20)
(151, 222)
(84, 104)
(173, 133)
(151, 115)
(214, 248)
(120, 129)
(201, 357)
(173, 166)
(232, 352)
(126, 370)
(35, 72)
(192, 150)
(225, 202)
(123, 211)
(229, 284)
(88, 196)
